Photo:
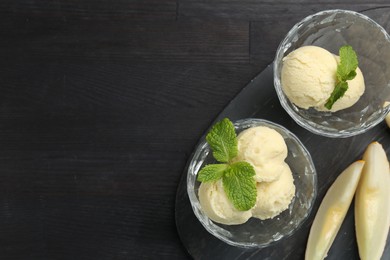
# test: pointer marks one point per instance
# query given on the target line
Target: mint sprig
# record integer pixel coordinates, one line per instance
(346, 70)
(223, 141)
(212, 172)
(337, 93)
(239, 185)
(237, 178)
(348, 63)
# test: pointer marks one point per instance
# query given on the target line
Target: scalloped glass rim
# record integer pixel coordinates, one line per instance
(200, 154)
(289, 107)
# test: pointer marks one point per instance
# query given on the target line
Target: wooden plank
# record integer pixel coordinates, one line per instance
(195, 41)
(93, 227)
(253, 11)
(266, 36)
(90, 9)
(100, 87)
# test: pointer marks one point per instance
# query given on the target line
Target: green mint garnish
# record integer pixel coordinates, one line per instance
(223, 141)
(212, 172)
(239, 185)
(337, 93)
(237, 178)
(346, 70)
(348, 63)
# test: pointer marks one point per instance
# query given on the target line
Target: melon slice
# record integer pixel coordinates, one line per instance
(332, 211)
(372, 207)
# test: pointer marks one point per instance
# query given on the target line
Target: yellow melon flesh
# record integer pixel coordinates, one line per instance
(372, 207)
(332, 211)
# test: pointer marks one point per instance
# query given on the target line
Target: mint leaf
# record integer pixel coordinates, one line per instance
(337, 93)
(346, 70)
(223, 140)
(237, 178)
(351, 75)
(212, 172)
(240, 186)
(348, 63)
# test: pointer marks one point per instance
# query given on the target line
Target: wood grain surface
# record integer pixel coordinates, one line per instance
(101, 105)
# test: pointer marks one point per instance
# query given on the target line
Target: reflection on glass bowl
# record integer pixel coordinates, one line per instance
(256, 233)
(330, 30)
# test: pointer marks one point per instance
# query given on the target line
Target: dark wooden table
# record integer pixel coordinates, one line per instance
(101, 105)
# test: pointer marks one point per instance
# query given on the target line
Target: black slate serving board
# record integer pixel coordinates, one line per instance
(331, 156)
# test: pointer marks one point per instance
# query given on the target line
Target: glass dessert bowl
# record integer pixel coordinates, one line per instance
(256, 233)
(330, 30)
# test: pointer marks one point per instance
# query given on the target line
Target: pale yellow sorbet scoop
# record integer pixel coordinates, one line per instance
(264, 148)
(309, 76)
(218, 207)
(274, 197)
